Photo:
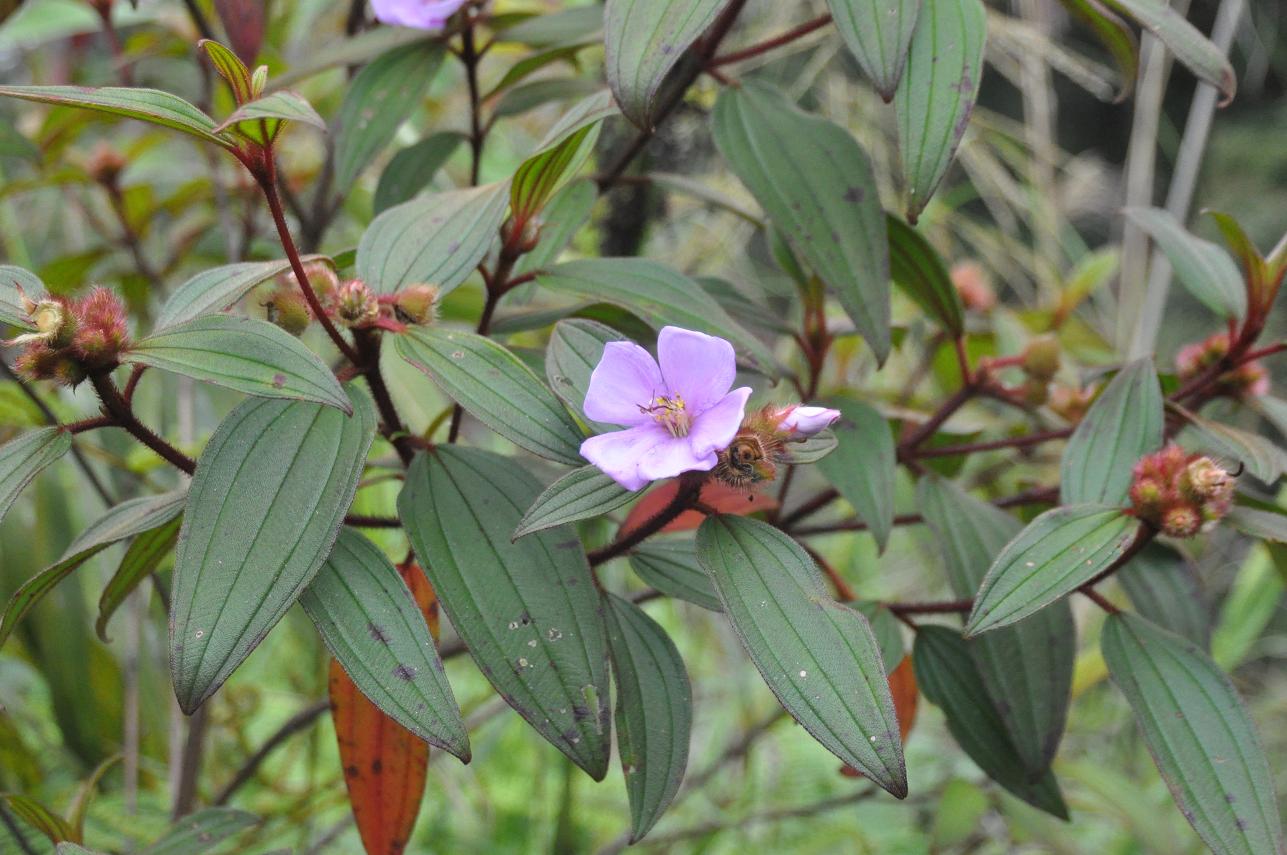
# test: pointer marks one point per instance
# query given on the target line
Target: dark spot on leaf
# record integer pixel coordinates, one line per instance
(377, 633)
(855, 194)
(667, 49)
(570, 736)
(279, 380)
(405, 672)
(1228, 797)
(568, 544)
(376, 766)
(351, 771)
(455, 245)
(580, 713)
(572, 581)
(1240, 822)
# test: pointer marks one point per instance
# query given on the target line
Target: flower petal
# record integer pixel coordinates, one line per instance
(421, 14)
(673, 456)
(697, 366)
(801, 422)
(625, 379)
(715, 428)
(618, 454)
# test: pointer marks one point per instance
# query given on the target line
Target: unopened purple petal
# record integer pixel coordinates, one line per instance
(803, 422)
(421, 14)
(619, 454)
(697, 366)
(714, 429)
(673, 456)
(625, 379)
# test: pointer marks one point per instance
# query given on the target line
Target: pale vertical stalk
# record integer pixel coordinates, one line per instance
(1179, 197)
(1039, 109)
(130, 726)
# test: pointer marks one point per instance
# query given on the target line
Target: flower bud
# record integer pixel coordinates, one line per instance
(1178, 492)
(355, 304)
(287, 308)
(1249, 380)
(1041, 359)
(527, 239)
(973, 284)
(42, 362)
(1035, 391)
(321, 276)
(416, 304)
(1146, 495)
(101, 329)
(1181, 521)
(800, 422)
(1071, 404)
(105, 164)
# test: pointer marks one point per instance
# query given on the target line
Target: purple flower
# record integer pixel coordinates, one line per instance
(678, 413)
(803, 422)
(421, 14)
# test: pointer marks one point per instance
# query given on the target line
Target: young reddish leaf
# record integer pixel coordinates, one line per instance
(721, 497)
(902, 685)
(384, 763)
(244, 22)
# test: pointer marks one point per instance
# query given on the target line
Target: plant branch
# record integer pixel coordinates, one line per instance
(296, 723)
(765, 46)
(368, 348)
(1024, 441)
(470, 56)
(690, 488)
(115, 406)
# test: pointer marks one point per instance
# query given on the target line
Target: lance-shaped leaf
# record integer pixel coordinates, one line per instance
(262, 119)
(377, 101)
(937, 93)
(145, 554)
(119, 523)
(811, 449)
(527, 610)
(1204, 267)
(497, 388)
(916, 267)
(147, 105)
(1115, 35)
(581, 494)
(245, 354)
(654, 711)
(1200, 736)
(1026, 667)
(373, 627)
(819, 657)
(1058, 552)
(864, 465)
(877, 33)
(199, 832)
(39, 817)
(1191, 48)
(1123, 425)
(1163, 586)
(643, 40)
(230, 68)
(411, 169)
(656, 293)
(946, 673)
(266, 503)
(216, 289)
(670, 565)
(1267, 525)
(539, 177)
(12, 311)
(888, 632)
(816, 184)
(575, 348)
(22, 458)
(1261, 456)
(439, 238)
(564, 216)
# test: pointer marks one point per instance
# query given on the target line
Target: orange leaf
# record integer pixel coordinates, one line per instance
(902, 685)
(721, 497)
(384, 764)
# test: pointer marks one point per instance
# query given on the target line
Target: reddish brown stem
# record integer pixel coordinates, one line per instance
(844, 593)
(690, 488)
(942, 607)
(119, 410)
(365, 521)
(1024, 441)
(1098, 599)
(368, 346)
(945, 412)
(469, 55)
(765, 46)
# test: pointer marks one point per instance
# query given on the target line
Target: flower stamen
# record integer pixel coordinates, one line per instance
(670, 413)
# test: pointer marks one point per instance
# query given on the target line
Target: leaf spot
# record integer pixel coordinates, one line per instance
(377, 633)
(405, 672)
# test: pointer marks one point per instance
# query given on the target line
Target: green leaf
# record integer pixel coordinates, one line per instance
(811, 449)
(494, 386)
(1205, 268)
(1199, 734)
(266, 503)
(578, 22)
(1254, 268)
(123, 521)
(887, 630)
(198, 833)
(541, 176)
(643, 41)
(438, 239)
(144, 555)
(1265, 525)
(581, 494)
(669, 564)
(1026, 667)
(38, 816)
(1058, 552)
(937, 93)
(244, 354)
(563, 217)
(372, 625)
(818, 656)
(230, 68)
(574, 349)
(864, 466)
(1164, 587)
(1190, 47)
(917, 269)
(11, 308)
(377, 101)
(1115, 35)
(946, 674)
(147, 105)
(529, 96)
(816, 184)
(214, 290)
(262, 119)
(1263, 458)
(656, 293)
(654, 711)
(877, 33)
(411, 169)
(526, 609)
(1124, 424)
(23, 457)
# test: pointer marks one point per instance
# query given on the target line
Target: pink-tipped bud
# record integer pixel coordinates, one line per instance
(416, 304)
(1146, 496)
(974, 286)
(102, 332)
(1041, 358)
(1249, 380)
(105, 164)
(1178, 492)
(801, 422)
(356, 305)
(42, 362)
(1071, 404)
(1181, 521)
(321, 276)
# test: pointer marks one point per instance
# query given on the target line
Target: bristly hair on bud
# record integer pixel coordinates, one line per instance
(416, 304)
(101, 329)
(73, 337)
(760, 445)
(287, 308)
(321, 276)
(356, 304)
(1179, 493)
(1249, 380)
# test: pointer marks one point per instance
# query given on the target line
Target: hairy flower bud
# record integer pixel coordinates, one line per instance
(974, 286)
(356, 305)
(1248, 380)
(1178, 492)
(1041, 358)
(287, 308)
(1070, 403)
(416, 304)
(800, 422)
(101, 330)
(1180, 521)
(105, 164)
(321, 276)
